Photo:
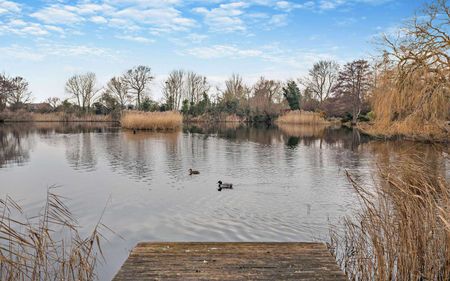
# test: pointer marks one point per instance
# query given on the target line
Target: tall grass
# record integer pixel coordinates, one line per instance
(47, 246)
(301, 117)
(402, 231)
(64, 117)
(169, 120)
(24, 116)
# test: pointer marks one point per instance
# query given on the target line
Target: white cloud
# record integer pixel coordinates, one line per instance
(225, 18)
(138, 39)
(43, 51)
(278, 20)
(57, 15)
(98, 19)
(7, 7)
(270, 53)
(222, 51)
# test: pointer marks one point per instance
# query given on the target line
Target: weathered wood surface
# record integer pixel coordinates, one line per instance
(230, 261)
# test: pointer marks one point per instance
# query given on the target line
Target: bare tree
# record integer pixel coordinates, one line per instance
(19, 93)
(196, 86)
(173, 89)
(119, 90)
(138, 80)
(419, 70)
(235, 89)
(353, 85)
(82, 89)
(5, 90)
(321, 79)
(54, 102)
(265, 94)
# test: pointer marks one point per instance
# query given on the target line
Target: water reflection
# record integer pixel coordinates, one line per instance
(14, 145)
(289, 181)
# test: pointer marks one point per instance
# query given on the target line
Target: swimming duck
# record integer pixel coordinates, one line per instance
(224, 185)
(193, 172)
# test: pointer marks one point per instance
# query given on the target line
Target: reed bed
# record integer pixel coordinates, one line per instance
(301, 117)
(402, 231)
(47, 246)
(24, 116)
(64, 117)
(156, 121)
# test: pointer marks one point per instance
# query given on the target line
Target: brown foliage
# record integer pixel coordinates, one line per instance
(402, 230)
(412, 93)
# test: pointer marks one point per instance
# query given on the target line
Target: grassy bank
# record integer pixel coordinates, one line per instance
(432, 132)
(301, 117)
(23, 116)
(215, 118)
(157, 121)
(402, 230)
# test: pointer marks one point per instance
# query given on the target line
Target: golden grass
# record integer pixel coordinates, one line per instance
(24, 116)
(301, 117)
(137, 120)
(63, 117)
(402, 231)
(47, 246)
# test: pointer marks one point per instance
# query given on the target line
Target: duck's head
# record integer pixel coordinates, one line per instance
(190, 170)
(219, 182)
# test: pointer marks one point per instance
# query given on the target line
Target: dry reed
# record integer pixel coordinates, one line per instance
(64, 117)
(24, 116)
(301, 117)
(402, 231)
(136, 120)
(48, 246)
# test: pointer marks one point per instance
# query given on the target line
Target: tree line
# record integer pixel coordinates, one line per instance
(409, 82)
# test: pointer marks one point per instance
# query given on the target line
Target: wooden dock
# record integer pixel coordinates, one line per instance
(230, 261)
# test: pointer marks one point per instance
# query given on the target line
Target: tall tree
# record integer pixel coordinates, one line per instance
(265, 94)
(54, 102)
(118, 89)
(5, 90)
(196, 85)
(173, 89)
(414, 87)
(139, 79)
(321, 79)
(353, 85)
(235, 89)
(82, 89)
(19, 93)
(291, 93)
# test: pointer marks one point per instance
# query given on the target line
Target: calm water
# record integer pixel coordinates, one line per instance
(289, 182)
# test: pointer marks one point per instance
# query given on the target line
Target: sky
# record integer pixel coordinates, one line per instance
(48, 41)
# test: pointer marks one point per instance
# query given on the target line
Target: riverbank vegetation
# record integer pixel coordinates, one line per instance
(402, 229)
(404, 91)
(302, 117)
(25, 116)
(48, 246)
(156, 121)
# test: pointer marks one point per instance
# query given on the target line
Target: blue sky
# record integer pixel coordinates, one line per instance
(48, 41)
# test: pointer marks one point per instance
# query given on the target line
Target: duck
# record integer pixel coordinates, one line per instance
(193, 172)
(223, 185)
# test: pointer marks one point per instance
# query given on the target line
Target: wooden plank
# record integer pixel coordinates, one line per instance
(229, 261)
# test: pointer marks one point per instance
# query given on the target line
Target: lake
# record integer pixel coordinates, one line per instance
(289, 182)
